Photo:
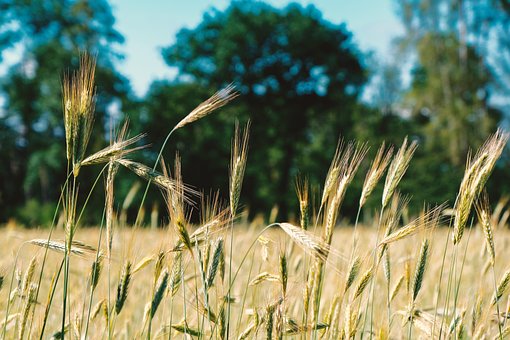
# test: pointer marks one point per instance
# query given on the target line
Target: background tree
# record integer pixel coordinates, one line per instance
(456, 75)
(452, 97)
(299, 76)
(53, 33)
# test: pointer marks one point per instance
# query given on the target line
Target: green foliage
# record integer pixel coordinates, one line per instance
(35, 213)
(299, 77)
(452, 96)
(52, 33)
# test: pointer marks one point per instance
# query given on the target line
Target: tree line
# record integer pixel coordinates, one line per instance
(300, 80)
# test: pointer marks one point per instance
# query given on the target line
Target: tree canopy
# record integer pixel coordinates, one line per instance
(300, 78)
(50, 36)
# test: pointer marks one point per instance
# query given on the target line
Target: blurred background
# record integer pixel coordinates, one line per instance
(309, 73)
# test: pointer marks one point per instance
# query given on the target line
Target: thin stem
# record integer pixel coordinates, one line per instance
(497, 302)
(47, 312)
(448, 288)
(138, 215)
(53, 223)
(241, 264)
(440, 279)
(410, 331)
(230, 271)
(93, 278)
(388, 305)
(374, 277)
(457, 287)
(354, 233)
(68, 243)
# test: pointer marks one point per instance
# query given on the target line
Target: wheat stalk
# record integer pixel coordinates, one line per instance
(310, 243)
(397, 169)
(363, 282)
(428, 220)
(353, 273)
(420, 269)
(158, 295)
(484, 216)
(78, 101)
(238, 165)
(219, 99)
(122, 287)
(502, 287)
(302, 194)
(478, 170)
(375, 172)
(158, 178)
(117, 149)
(213, 267)
(77, 247)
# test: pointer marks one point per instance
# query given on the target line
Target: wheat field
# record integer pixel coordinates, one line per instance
(441, 274)
(135, 246)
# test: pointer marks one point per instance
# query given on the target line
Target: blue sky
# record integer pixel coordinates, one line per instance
(152, 24)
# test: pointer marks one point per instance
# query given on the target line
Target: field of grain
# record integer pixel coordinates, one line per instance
(251, 297)
(441, 274)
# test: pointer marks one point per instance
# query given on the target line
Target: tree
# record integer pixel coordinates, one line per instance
(458, 49)
(452, 98)
(299, 75)
(53, 33)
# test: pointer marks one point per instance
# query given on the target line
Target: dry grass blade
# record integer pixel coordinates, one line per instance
(219, 99)
(376, 171)
(397, 169)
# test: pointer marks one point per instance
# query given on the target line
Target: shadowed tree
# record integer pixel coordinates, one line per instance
(451, 97)
(53, 33)
(299, 75)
